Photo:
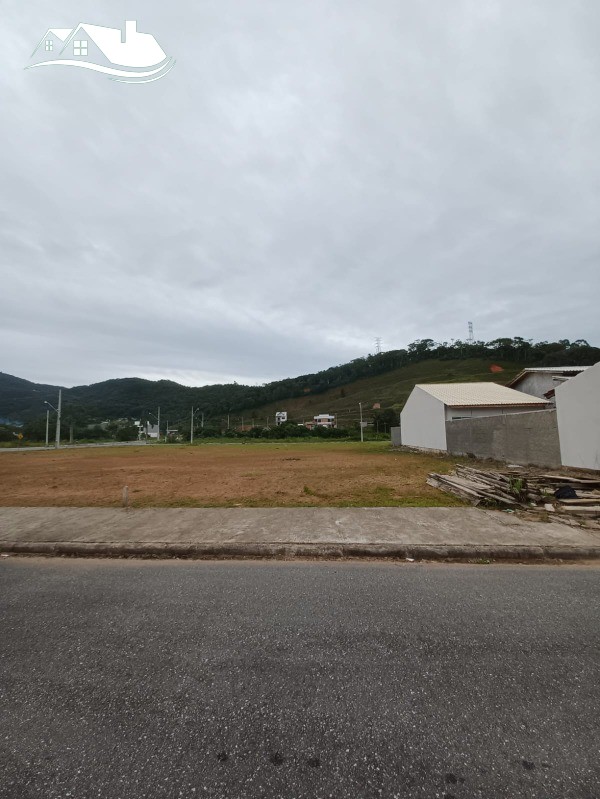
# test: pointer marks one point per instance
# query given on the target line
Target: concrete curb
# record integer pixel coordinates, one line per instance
(301, 551)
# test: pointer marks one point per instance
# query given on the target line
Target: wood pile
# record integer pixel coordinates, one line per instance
(517, 488)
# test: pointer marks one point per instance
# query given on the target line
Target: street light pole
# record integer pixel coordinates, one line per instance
(158, 420)
(194, 411)
(58, 415)
(47, 426)
(362, 436)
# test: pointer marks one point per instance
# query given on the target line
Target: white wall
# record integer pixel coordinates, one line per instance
(423, 421)
(490, 410)
(578, 412)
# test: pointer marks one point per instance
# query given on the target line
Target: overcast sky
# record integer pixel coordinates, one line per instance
(310, 175)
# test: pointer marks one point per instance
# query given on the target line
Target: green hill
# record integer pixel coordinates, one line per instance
(390, 390)
(386, 378)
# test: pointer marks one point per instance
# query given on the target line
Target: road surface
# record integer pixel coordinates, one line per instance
(141, 679)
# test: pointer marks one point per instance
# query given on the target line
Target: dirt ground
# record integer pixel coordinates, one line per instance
(223, 475)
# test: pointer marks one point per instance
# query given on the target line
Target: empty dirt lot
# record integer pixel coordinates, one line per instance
(222, 475)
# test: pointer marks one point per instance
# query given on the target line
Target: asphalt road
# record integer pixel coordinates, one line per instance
(240, 679)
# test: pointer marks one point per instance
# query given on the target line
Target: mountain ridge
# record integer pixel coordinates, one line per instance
(22, 400)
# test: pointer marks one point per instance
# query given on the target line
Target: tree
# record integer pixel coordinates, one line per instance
(35, 429)
(384, 419)
(127, 433)
(421, 349)
(6, 434)
(574, 356)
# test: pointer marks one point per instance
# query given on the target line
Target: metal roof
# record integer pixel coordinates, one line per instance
(462, 395)
(572, 370)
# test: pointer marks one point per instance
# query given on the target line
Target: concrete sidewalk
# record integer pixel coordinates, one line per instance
(290, 532)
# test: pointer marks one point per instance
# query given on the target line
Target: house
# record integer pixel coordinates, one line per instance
(541, 381)
(146, 430)
(430, 406)
(578, 413)
(120, 53)
(52, 42)
(124, 48)
(281, 417)
(322, 420)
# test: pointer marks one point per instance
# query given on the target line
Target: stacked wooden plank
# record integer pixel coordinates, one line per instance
(518, 488)
(587, 489)
(476, 486)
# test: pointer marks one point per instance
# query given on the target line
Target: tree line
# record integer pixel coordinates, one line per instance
(135, 398)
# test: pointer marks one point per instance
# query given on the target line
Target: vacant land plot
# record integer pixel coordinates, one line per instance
(223, 475)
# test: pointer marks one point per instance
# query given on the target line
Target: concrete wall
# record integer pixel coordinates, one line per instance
(578, 409)
(423, 421)
(525, 438)
(396, 436)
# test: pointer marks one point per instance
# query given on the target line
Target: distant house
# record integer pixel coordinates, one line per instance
(578, 412)
(281, 417)
(146, 430)
(322, 420)
(430, 406)
(541, 381)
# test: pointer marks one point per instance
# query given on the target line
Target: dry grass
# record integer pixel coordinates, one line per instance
(337, 474)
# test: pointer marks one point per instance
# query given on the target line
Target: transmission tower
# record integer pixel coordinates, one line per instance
(470, 339)
(378, 345)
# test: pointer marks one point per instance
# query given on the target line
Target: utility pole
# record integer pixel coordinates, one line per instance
(192, 427)
(47, 426)
(228, 421)
(58, 415)
(202, 422)
(158, 420)
(362, 436)
(167, 431)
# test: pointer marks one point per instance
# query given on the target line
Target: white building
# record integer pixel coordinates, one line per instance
(322, 420)
(146, 430)
(430, 406)
(578, 413)
(541, 381)
(281, 417)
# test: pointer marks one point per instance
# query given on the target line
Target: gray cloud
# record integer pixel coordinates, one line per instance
(308, 176)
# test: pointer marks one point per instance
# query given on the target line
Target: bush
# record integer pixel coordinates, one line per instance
(127, 433)
(6, 435)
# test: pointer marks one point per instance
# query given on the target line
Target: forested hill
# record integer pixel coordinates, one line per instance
(23, 400)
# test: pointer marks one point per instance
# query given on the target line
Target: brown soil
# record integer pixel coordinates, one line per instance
(249, 475)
